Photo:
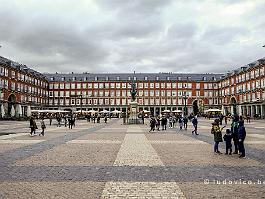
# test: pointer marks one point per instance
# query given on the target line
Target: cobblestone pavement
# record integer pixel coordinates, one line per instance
(125, 161)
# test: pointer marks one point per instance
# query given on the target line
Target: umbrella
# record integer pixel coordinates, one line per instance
(2, 111)
(115, 111)
(146, 111)
(13, 112)
(177, 111)
(213, 110)
(92, 111)
(28, 111)
(104, 111)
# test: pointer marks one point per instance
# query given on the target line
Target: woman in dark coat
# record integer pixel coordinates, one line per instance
(32, 126)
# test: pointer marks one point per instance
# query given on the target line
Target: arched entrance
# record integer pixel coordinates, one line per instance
(233, 106)
(195, 107)
(11, 102)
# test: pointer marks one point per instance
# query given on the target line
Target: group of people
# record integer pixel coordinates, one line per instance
(33, 126)
(237, 133)
(171, 121)
(96, 117)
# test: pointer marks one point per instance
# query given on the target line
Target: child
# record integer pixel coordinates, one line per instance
(228, 142)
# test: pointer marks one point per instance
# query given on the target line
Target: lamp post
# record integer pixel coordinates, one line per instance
(185, 104)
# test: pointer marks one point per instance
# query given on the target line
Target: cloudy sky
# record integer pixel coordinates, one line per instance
(126, 35)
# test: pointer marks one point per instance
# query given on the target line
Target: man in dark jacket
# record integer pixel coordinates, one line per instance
(164, 123)
(234, 130)
(195, 125)
(241, 138)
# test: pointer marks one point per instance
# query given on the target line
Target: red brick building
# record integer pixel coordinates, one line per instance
(241, 91)
(21, 88)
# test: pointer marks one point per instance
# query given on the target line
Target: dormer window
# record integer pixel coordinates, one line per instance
(179, 78)
(157, 78)
(145, 78)
(52, 78)
(168, 78)
(204, 78)
(63, 78)
(134, 78)
(96, 78)
(73, 78)
(107, 78)
(118, 78)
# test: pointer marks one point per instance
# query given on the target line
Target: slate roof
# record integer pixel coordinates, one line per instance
(20, 67)
(130, 76)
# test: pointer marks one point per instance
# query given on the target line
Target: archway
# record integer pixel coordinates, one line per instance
(195, 107)
(11, 102)
(233, 105)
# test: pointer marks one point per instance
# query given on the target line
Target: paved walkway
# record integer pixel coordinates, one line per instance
(125, 161)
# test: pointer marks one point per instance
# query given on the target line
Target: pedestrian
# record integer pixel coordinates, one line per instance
(158, 124)
(98, 119)
(195, 125)
(65, 121)
(58, 121)
(226, 117)
(70, 122)
(152, 124)
(217, 132)
(73, 121)
(50, 120)
(170, 120)
(174, 120)
(248, 118)
(143, 117)
(43, 126)
(105, 119)
(185, 122)
(221, 119)
(228, 142)
(180, 123)
(234, 130)
(33, 126)
(241, 139)
(164, 123)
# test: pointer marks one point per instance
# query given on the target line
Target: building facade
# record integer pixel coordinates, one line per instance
(21, 88)
(155, 92)
(241, 91)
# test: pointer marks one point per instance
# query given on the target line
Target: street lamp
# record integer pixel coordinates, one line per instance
(185, 104)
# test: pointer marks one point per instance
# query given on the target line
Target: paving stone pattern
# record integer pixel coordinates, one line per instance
(125, 161)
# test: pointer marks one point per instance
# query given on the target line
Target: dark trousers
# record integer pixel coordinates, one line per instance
(236, 144)
(228, 148)
(164, 127)
(32, 130)
(42, 132)
(241, 148)
(195, 128)
(185, 126)
(216, 147)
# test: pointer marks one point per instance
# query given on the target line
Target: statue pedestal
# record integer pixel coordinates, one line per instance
(133, 119)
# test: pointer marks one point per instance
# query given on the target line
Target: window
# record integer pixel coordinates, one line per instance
(145, 78)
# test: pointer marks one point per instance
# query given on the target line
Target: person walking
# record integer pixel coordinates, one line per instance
(170, 120)
(195, 125)
(43, 126)
(241, 139)
(50, 120)
(248, 118)
(185, 122)
(157, 123)
(33, 126)
(105, 119)
(217, 132)
(152, 124)
(234, 130)
(180, 123)
(164, 123)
